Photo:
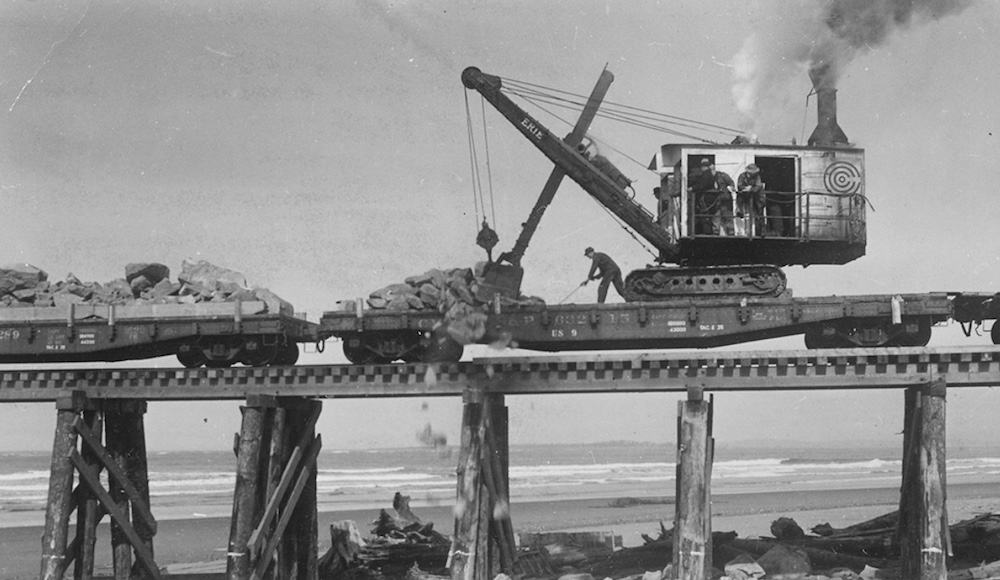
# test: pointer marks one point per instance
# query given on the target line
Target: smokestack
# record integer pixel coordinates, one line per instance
(827, 133)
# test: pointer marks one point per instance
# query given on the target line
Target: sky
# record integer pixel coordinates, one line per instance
(321, 149)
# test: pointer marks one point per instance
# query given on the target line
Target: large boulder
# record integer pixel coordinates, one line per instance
(206, 274)
(785, 559)
(152, 271)
(20, 276)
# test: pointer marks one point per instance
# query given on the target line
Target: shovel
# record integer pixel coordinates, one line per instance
(582, 284)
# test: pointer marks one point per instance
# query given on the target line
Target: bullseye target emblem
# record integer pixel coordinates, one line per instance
(842, 177)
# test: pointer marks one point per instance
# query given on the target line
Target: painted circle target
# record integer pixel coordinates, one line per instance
(842, 177)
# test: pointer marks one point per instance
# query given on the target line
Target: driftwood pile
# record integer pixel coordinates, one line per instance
(144, 283)
(452, 292)
(399, 544)
(863, 551)
(403, 547)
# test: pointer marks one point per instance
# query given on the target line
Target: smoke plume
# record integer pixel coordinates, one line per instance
(822, 35)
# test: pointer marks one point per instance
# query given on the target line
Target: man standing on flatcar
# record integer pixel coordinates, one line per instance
(608, 272)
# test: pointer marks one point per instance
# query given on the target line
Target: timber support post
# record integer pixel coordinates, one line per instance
(924, 540)
(692, 541)
(483, 542)
(79, 453)
(273, 532)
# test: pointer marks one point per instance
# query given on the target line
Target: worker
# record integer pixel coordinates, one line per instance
(607, 270)
(750, 199)
(713, 191)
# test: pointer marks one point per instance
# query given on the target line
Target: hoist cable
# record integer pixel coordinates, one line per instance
(489, 170)
(618, 117)
(628, 230)
(645, 120)
(543, 89)
(473, 161)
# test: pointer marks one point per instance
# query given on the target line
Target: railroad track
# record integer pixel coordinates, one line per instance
(579, 373)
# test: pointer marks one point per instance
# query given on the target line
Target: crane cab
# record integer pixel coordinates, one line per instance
(810, 210)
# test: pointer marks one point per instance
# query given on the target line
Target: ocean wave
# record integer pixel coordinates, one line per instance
(25, 475)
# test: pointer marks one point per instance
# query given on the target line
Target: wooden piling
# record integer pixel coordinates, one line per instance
(87, 512)
(923, 531)
(60, 497)
(497, 460)
(274, 533)
(464, 555)
(246, 497)
(125, 443)
(305, 536)
(126, 437)
(692, 526)
(483, 541)
(280, 450)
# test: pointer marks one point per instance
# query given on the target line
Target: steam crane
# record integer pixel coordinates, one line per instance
(813, 209)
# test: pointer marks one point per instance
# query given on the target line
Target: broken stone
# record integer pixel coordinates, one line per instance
(65, 299)
(398, 303)
(242, 295)
(81, 290)
(20, 276)
(465, 324)
(209, 275)
(26, 295)
(743, 567)
(140, 284)
(163, 288)
(785, 559)
(152, 271)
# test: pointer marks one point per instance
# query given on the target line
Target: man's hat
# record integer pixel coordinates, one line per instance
(589, 250)
(705, 161)
(752, 168)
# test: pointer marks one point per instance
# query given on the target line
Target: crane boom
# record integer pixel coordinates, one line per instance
(574, 165)
(556, 177)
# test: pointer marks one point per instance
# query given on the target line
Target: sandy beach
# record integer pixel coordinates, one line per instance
(749, 514)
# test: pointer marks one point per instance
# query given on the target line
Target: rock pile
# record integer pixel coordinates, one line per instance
(144, 283)
(451, 292)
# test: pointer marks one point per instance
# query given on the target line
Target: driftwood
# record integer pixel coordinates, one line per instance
(991, 570)
(878, 525)
(345, 548)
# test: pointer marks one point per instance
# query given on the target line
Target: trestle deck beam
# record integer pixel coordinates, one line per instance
(594, 373)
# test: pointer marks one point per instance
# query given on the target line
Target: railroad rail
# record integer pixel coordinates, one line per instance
(614, 372)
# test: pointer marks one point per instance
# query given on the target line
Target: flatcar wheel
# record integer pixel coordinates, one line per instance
(416, 348)
(814, 339)
(287, 355)
(190, 356)
(358, 353)
(442, 349)
(261, 355)
(918, 332)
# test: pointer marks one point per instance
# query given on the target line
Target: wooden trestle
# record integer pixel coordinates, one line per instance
(274, 522)
(79, 450)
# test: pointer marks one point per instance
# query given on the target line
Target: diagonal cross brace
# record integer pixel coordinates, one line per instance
(309, 461)
(93, 480)
(115, 471)
(257, 536)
